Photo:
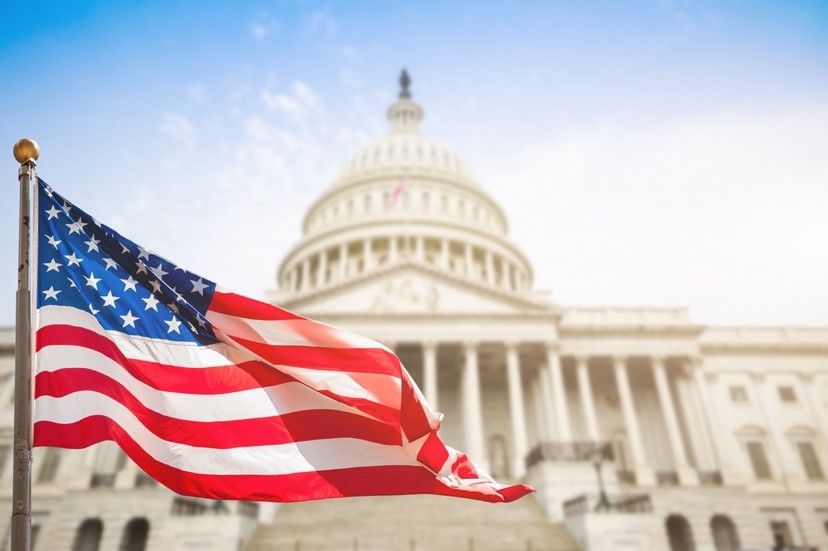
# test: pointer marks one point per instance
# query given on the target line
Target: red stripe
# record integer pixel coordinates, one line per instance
(297, 426)
(206, 380)
(349, 360)
(361, 481)
(243, 307)
(413, 417)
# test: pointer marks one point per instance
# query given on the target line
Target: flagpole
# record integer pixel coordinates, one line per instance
(26, 153)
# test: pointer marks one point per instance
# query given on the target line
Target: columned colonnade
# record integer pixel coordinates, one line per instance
(536, 369)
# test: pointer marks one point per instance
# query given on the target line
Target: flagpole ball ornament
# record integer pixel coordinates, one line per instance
(26, 150)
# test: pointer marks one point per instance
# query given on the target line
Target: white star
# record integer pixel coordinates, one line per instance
(73, 259)
(110, 263)
(124, 248)
(51, 293)
(159, 271)
(129, 283)
(173, 323)
(144, 253)
(66, 206)
(53, 242)
(93, 310)
(152, 302)
(200, 320)
(109, 300)
(72, 283)
(52, 266)
(92, 281)
(173, 307)
(198, 286)
(92, 244)
(52, 212)
(48, 190)
(178, 298)
(129, 319)
(142, 268)
(81, 225)
(73, 228)
(156, 286)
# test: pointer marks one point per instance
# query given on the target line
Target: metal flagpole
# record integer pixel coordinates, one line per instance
(26, 153)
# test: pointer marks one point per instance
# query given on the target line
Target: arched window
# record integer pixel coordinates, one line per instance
(88, 536)
(725, 536)
(135, 535)
(679, 534)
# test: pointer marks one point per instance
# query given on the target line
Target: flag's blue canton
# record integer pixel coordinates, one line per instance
(87, 265)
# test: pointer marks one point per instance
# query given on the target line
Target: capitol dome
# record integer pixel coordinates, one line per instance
(404, 199)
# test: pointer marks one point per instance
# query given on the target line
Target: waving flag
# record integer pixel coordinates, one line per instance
(217, 395)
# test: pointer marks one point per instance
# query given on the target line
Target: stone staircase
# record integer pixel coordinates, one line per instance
(412, 523)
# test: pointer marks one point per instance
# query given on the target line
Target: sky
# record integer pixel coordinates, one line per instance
(647, 153)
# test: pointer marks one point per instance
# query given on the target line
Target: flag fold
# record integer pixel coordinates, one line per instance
(217, 395)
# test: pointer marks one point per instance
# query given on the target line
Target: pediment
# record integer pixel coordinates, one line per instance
(412, 289)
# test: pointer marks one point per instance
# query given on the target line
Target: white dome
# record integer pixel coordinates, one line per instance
(404, 198)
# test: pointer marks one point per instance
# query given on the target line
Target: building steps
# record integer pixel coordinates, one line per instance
(412, 523)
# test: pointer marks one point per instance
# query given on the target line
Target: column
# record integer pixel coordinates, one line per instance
(419, 248)
(490, 274)
(343, 261)
(781, 453)
(472, 411)
(306, 274)
(392, 249)
(722, 450)
(469, 260)
(288, 282)
(517, 409)
(809, 387)
(558, 392)
(367, 255)
(322, 276)
(585, 393)
(687, 475)
(430, 373)
(545, 382)
(643, 473)
(444, 254)
(509, 277)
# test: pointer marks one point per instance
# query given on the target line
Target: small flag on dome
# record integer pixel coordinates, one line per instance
(217, 395)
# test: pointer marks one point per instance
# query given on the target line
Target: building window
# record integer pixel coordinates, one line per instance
(135, 535)
(810, 461)
(88, 536)
(51, 462)
(738, 394)
(725, 536)
(787, 394)
(781, 533)
(758, 460)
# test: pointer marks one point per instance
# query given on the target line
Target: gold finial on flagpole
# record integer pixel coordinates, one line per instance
(26, 150)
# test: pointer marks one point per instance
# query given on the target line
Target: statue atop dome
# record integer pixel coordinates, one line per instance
(405, 82)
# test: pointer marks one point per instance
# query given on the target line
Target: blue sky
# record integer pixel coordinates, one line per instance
(660, 153)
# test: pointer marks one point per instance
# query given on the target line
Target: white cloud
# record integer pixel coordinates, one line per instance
(179, 128)
(721, 212)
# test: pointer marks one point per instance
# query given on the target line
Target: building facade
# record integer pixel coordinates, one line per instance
(703, 438)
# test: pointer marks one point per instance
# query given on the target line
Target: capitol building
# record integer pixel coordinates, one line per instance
(640, 428)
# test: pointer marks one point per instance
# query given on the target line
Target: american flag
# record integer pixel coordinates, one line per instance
(217, 395)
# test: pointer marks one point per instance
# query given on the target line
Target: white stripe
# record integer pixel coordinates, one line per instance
(192, 355)
(315, 455)
(245, 404)
(292, 332)
(181, 354)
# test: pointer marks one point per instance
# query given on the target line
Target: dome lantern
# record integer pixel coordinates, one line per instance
(404, 114)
